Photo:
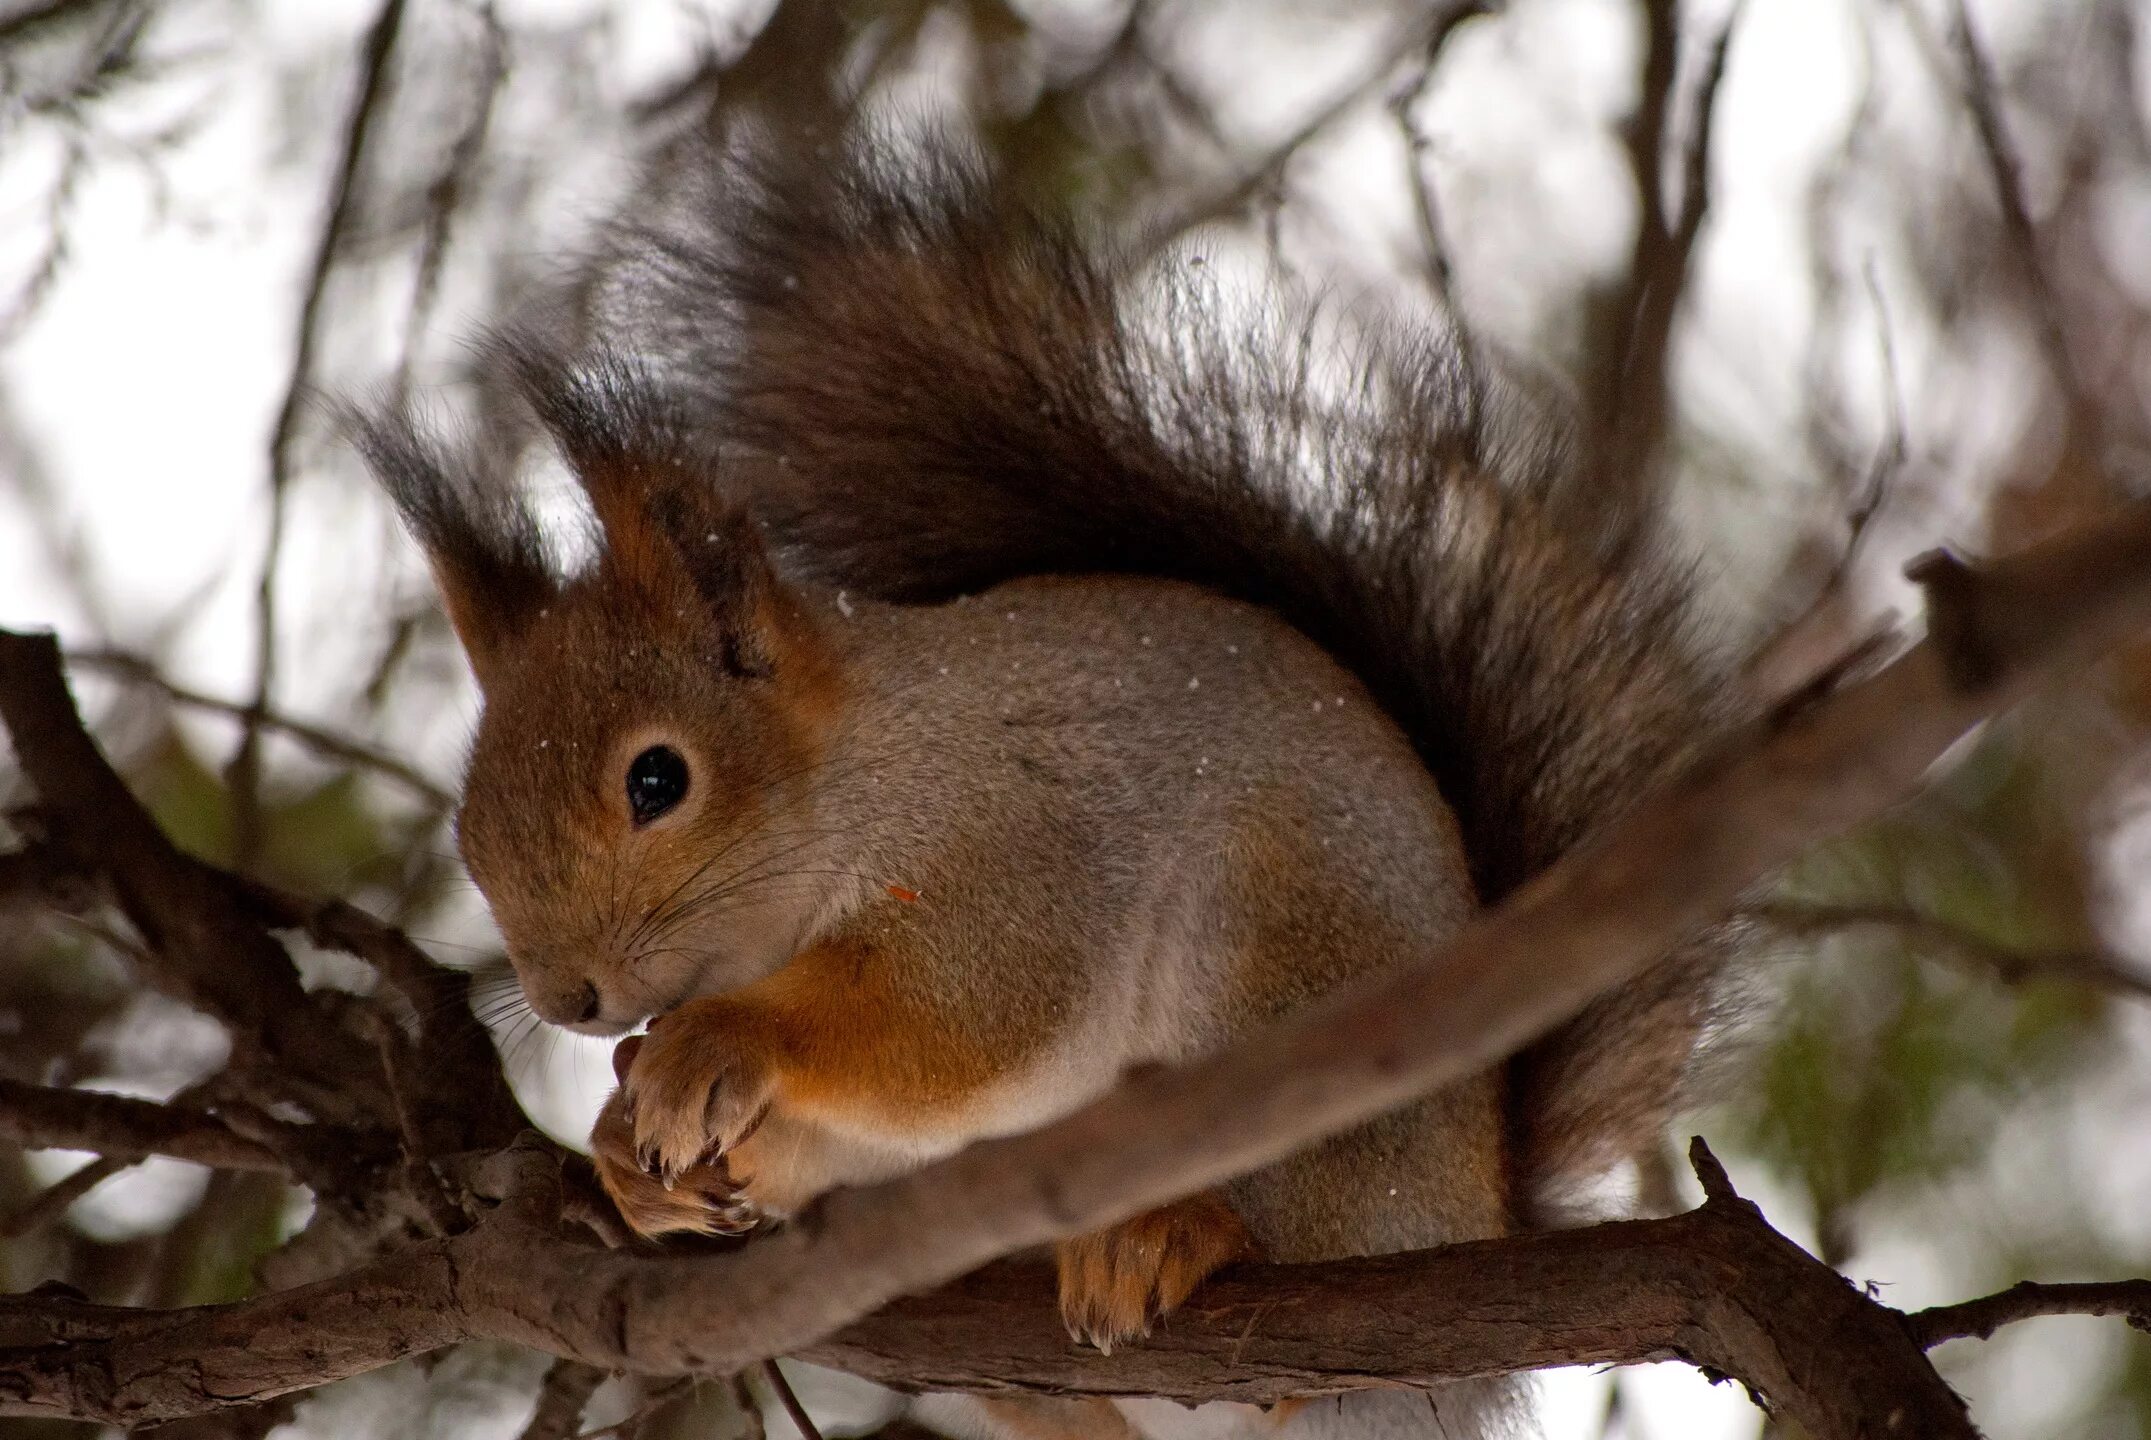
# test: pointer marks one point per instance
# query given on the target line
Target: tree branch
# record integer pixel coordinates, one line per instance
(120, 1127)
(2027, 1300)
(1716, 1287)
(464, 1102)
(567, 1388)
(56, 1199)
(1427, 33)
(1633, 389)
(245, 767)
(1820, 625)
(35, 16)
(2006, 169)
(327, 743)
(198, 921)
(207, 953)
(445, 196)
(1426, 205)
(2008, 963)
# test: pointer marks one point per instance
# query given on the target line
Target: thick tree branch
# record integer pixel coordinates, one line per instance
(1716, 1287)
(1713, 1287)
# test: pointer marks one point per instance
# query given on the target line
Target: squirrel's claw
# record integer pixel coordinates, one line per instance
(692, 1093)
(675, 1133)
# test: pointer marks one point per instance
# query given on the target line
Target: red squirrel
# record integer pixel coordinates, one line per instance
(1000, 668)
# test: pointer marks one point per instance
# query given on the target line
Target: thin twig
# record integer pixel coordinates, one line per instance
(1426, 33)
(1633, 393)
(1890, 453)
(245, 767)
(1821, 622)
(782, 1388)
(1426, 205)
(1954, 942)
(444, 198)
(137, 669)
(50, 1203)
(2027, 1300)
(1982, 96)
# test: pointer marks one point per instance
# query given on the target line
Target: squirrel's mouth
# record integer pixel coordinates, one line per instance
(604, 1029)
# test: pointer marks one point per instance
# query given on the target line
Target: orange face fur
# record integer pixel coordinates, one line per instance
(610, 919)
(678, 670)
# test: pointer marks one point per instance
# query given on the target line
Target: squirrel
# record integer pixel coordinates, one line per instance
(1000, 666)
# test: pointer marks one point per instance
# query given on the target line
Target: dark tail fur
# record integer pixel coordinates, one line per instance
(922, 392)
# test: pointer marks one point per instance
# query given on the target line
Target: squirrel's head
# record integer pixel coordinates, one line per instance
(639, 798)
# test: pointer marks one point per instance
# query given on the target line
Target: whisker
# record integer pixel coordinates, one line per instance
(704, 867)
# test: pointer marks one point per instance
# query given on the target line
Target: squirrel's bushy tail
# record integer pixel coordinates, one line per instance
(923, 389)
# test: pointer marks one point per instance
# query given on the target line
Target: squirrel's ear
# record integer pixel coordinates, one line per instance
(482, 541)
(721, 553)
(654, 492)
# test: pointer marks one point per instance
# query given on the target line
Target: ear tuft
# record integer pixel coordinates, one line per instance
(615, 427)
(651, 484)
(479, 534)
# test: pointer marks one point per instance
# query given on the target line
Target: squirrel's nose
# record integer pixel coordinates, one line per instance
(572, 1004)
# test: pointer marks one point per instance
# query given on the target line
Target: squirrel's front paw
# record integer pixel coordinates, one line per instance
(1115, 1282)
(694, 1088)
(705, 1200)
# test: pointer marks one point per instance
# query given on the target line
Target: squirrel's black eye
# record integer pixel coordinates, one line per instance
(655, 782)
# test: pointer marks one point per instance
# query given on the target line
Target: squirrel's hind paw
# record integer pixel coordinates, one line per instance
(696, 1203)
(1116, 1282)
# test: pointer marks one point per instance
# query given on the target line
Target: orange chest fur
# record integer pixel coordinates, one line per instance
(847, 1036)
